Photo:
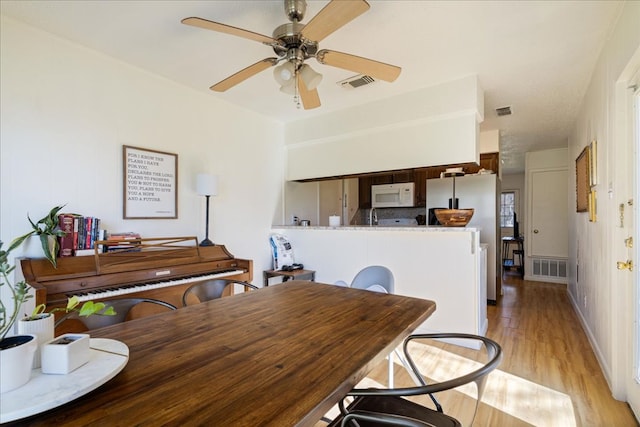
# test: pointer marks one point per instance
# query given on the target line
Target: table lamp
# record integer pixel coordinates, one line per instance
(207, 185)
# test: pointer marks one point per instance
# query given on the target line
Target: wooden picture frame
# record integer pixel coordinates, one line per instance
(583, 184)
(150, 185)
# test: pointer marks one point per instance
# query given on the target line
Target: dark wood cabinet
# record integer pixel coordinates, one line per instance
(382, 179)
(364, 192)
(490, 161)
(420, 180)
(403, 176)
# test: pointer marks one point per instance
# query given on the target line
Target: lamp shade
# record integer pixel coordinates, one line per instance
(310, 77)
(289, 88)
(206, 184)
(284, 73)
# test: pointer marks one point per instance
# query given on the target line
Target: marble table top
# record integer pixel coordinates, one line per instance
(43, 391)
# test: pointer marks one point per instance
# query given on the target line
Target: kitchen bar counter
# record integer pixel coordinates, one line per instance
(436, 263)
(420, 228)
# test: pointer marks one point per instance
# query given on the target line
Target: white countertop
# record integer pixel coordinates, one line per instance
(414, 228)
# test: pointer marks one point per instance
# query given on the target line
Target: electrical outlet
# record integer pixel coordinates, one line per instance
(585, 301)
(294, 219)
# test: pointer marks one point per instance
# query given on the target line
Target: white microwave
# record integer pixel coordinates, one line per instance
(392, 195)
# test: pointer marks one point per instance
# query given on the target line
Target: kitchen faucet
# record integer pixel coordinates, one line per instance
(373, 217)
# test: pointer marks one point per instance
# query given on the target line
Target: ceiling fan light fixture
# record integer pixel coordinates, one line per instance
(284, 73)
(310, 77)
(289, 88)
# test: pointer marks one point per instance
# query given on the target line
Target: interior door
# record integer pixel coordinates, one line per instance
(548, 230)
(628, 268)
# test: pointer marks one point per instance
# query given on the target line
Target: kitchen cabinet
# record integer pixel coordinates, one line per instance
(490, 161)
(421, 187)
(364, 192)
(382, 179)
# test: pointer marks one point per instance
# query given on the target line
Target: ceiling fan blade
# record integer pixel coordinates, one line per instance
(376, 69)
(310, 98)
(228, 29)
(332, 17)
(244, 74)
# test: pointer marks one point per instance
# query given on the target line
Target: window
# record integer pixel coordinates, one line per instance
(507, 208)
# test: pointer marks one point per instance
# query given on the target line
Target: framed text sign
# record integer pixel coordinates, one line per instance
(150, 184)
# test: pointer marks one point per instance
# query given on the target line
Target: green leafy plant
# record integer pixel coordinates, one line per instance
(48, 231)
(19, 293)
(73, 304)
(19, 290)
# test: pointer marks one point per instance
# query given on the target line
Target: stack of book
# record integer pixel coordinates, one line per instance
(128, 240)
(81, 234)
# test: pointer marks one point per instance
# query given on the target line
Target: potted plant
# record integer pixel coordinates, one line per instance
(41, 323)
(47, 231)
(16, 352)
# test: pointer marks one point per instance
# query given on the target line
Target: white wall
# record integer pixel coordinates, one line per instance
(357, 140)
(592, 284)
(66, 113)
(442, 265)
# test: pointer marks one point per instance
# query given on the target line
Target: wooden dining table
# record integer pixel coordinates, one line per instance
(278, 356)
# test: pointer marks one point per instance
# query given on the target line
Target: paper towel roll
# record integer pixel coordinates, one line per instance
(334, 221)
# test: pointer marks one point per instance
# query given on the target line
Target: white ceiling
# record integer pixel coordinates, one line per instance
(535, 56)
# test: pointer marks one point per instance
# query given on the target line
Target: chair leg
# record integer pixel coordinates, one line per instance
(390, 357)
(407, 367)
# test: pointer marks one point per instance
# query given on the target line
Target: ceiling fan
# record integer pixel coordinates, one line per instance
(295, 42)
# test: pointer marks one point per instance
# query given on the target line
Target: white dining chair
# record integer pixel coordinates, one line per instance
(376, 278)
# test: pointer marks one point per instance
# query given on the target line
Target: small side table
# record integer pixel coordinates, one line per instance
(286, 275)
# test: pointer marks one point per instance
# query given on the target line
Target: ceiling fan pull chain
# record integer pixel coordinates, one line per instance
(296, 97)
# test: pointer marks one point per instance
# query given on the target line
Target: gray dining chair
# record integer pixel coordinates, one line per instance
(122, 307)
(376, 278)
(374, 407)
(212, 289)
(373, 278)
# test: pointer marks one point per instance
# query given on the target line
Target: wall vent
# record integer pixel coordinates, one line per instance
(356, 81)
(503, 111)
(550, 267)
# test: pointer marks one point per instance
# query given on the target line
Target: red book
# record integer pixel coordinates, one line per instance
(88, 222)
(65, 222)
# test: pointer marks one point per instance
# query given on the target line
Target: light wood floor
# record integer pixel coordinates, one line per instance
(549, 375)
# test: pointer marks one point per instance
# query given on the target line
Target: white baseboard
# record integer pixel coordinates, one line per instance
(606, 369)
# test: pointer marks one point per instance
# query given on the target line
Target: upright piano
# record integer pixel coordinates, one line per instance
(159, 268)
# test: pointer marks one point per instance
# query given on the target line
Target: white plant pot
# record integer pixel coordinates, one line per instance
(65, 353)
(32, 247)
(16, 361)
(42, 328)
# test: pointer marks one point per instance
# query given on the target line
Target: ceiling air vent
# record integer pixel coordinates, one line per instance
(356, 81)
(504, 111)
